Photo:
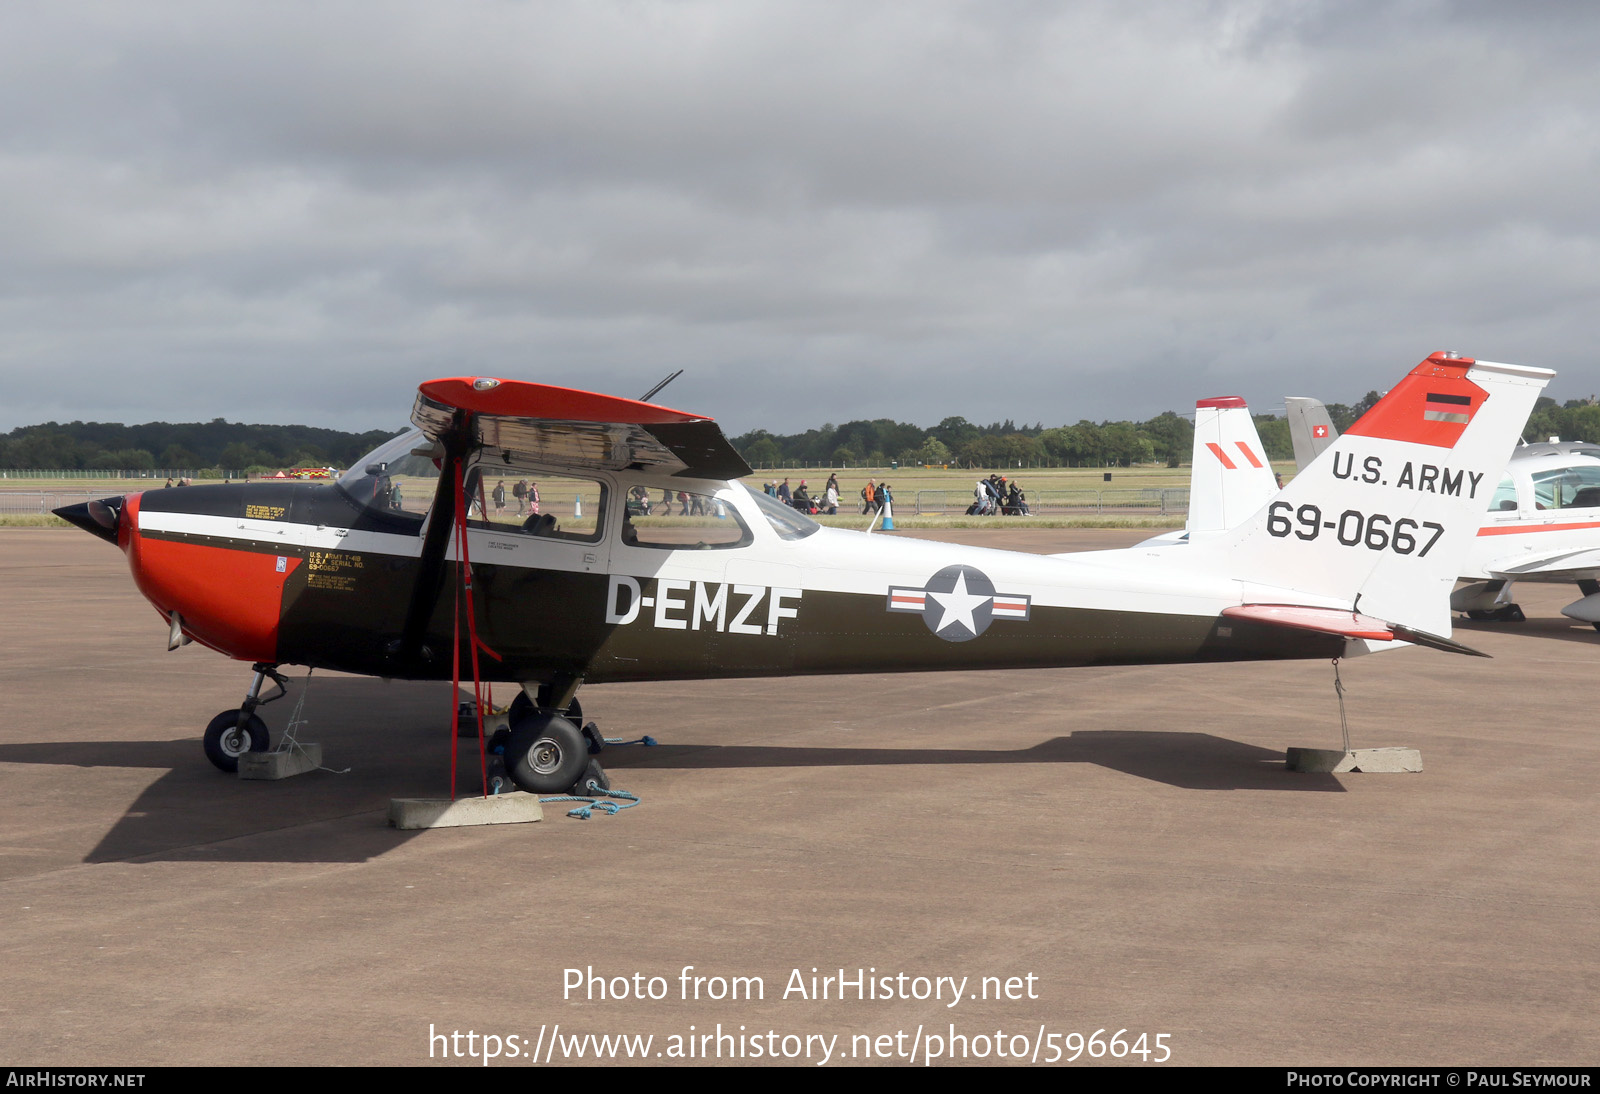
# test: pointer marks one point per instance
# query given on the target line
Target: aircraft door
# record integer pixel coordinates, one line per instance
(539, 550)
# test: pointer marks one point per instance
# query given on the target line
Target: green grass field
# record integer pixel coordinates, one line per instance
(1074, 488)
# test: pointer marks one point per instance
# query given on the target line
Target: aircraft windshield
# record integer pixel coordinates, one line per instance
(391, 479)
(1505, 496)
(788, 523)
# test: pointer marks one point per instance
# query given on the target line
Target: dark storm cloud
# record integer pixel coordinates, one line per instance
(823, 211)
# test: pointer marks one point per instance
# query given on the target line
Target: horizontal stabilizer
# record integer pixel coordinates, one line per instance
(1434, 641)
(1298, 617)
(1346, 624)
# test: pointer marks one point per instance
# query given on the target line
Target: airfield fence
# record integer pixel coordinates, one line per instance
(1149, 501)
(159, 475)
(38, 502)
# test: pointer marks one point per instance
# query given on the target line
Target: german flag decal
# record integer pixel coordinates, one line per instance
(1431, 406)
(1448, 408)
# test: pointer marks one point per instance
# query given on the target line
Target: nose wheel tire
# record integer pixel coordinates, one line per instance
(226, 740)
(546, 753)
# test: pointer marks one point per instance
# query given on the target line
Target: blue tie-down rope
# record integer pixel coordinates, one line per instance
(647, 740)
(592, 801)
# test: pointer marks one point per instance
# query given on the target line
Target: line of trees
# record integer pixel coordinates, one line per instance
(1574, 420)
(175, 445)
(1167, 438)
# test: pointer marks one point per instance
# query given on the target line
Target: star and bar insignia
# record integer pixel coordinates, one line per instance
(958, 603)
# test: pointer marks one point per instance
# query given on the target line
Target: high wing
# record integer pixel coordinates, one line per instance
(580, 430)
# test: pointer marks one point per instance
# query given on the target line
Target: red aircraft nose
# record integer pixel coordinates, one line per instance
(227, 594)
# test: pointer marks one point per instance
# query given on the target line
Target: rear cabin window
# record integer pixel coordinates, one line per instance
(678, 520)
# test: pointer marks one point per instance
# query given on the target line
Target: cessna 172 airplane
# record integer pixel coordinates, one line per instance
(1542, 524)
(638, 558)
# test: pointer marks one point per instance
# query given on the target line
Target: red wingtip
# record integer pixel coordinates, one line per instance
(520, 399)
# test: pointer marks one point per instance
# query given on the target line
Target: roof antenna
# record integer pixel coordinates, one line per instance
(645, 398)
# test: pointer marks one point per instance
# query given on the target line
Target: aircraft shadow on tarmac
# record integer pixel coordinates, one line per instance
(1559, 628)
(193, 813)
(1188, 761)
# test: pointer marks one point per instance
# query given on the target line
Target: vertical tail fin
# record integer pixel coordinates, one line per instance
(1310, 429)
(1384, 518)
(1230, 478)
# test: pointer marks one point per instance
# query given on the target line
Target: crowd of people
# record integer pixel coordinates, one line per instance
(995, 495)
(524, 493)
(875, 496)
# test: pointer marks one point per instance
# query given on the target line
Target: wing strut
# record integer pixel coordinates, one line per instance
(463, 590)
(409, 653)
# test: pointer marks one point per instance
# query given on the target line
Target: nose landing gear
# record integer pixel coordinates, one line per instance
(234, 732)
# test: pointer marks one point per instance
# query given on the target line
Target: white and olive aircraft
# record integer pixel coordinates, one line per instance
(633, 554)
(1542, 523)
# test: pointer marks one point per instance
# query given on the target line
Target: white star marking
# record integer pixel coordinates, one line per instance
(958, 605)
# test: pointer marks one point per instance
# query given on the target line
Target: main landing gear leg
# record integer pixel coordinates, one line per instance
(1503, 610)
(547, 753)
(234, 732)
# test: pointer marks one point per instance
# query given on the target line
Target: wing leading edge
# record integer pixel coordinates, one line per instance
(581, 430)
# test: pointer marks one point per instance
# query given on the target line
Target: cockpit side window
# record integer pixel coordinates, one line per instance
(505, 497)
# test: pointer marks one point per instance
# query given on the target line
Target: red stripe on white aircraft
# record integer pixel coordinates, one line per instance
(1216, 450)
(1518, 530)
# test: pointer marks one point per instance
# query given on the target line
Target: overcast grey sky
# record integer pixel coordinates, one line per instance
(294, 212)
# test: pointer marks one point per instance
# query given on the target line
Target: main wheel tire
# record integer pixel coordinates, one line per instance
(522, 706)
(546, 754)
(225, 741)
